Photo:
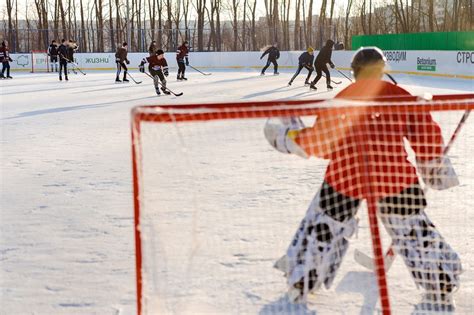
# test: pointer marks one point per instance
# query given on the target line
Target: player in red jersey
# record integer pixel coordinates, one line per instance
(158, 68)
(368, 157)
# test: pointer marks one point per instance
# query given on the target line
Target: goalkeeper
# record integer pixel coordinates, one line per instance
(346, 139)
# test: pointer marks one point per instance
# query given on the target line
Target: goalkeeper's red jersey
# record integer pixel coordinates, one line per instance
(367, 153)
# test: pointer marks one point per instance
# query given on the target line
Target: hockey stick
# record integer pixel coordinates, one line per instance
(76, 67)
(166, 88)
(391, 78)
(335, 82)
(136, 82)
(367, 261)
(203, 73)
(73, 63)
(344, 75)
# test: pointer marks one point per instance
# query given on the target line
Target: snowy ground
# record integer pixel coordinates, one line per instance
(66, 230)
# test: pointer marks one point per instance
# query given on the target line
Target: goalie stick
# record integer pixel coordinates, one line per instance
(166, 88)
(203, 73)
(367, 261)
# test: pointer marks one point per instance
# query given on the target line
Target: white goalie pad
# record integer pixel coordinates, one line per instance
(438, 174)
(276, 132)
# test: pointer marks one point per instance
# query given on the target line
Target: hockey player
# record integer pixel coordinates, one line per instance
(53, 55)
(158, 68)
(5, 59)
(120, 60)
(273, 55)
(323, 58)
(305, 61)
(183, 60)
(71, 49)
(367, 150)
(152, 48)
(63, 59)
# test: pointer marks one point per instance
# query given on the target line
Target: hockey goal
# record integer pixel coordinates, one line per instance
(40, 61)
(216, 205)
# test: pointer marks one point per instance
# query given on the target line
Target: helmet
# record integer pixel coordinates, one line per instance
(159, 52)
(310, 49)
(366, 56)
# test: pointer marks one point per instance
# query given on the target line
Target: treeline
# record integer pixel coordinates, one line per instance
(221, 25)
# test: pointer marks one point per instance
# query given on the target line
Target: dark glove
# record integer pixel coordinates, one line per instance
(127, 61)
(187, 62)
(141, 68)
(332, 65)
(10, 59)
(166, 72)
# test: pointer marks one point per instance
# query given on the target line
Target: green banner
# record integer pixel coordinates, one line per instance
(462, 41)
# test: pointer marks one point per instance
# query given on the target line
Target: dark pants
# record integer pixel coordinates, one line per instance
(181, 68)
(300, 67)
(6, 66)
(319, 69)
(158, 74)
(120, 66)
(54, 62)
(275, 65)
(63, 65)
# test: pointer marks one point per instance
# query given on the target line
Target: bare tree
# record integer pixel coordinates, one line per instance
(201, 11)
(10, 20)
(346, 23)
(297, 29)
(309, 26)
(235, 21)
(253, 10)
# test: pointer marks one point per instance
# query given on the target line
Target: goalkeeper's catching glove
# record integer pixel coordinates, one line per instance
(281, 133)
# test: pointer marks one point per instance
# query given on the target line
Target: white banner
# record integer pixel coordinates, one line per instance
(458, 64)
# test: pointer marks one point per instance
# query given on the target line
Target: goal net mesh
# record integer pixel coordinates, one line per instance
(216, 205)
(40, 61)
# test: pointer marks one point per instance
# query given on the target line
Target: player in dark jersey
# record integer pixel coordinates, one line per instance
(183, 60)
(121, 60)
(53, 55)
(323, 58)
(158, 68)
(273, 55)
(305, 61)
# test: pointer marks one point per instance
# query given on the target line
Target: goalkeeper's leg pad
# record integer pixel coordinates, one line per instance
(433, 264)
(320, 243)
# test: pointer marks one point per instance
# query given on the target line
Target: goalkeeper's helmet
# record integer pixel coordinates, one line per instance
(367, 57)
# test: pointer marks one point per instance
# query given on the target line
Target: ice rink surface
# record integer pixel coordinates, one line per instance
(66, 219)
